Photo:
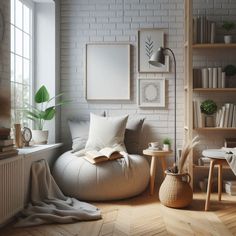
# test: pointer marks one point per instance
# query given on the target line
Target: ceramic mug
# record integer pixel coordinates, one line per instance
(153, 145)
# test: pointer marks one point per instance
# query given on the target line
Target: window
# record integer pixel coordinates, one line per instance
(21, 59)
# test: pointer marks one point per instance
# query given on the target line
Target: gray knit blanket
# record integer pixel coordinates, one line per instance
(49, 205)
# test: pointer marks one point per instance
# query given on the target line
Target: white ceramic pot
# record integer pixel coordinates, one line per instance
(40, 136)
(166, 147)
(228, 39)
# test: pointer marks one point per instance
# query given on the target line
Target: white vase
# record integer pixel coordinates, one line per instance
(228, 39)
(40, 136)
(166, 147)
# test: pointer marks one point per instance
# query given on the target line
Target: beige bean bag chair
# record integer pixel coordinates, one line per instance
(118, 179)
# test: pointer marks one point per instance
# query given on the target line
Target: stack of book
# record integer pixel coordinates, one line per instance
(6, 144)
(230, 187)
(226, 116)
(209, 77)
(204, 30)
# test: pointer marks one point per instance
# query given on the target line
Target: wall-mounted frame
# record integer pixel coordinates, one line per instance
(107, 71)
(151, 92)
(149, 40)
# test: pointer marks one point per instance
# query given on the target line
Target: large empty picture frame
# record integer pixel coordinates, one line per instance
(107, 71)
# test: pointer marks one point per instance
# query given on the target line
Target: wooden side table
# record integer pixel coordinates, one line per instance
(156, 154)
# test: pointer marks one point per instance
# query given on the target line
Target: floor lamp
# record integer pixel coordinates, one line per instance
(158, 60)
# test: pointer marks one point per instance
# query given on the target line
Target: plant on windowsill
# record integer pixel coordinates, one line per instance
(166, 144)
(209, 108)
(228, 26)
(42, 112)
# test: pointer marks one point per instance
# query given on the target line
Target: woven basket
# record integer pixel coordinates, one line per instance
(175, 190)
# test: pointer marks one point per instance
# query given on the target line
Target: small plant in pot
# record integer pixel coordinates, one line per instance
(42, 112)
(209, 108)
(228, 26)
(166, 144)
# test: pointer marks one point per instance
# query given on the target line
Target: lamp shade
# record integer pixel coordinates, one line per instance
(158, 58)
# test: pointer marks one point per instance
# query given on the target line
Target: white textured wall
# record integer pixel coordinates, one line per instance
(106, 21)
(5, 67)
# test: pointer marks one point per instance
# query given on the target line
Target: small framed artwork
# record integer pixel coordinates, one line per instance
(107, 71)
(151, 92)
(149, 40)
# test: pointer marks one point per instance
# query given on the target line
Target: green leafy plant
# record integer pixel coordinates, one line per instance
(228, 26)
(42, 111)
(208, 107)
(230, 70)
(167, 141)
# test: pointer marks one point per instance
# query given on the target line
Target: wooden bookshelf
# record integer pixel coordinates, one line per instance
(214, 46)
(214, 89)
(215, 129)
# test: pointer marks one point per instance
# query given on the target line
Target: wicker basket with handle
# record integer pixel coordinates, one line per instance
(175, 190)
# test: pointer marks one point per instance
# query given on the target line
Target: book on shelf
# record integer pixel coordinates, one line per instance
(4, 133)
(204, 30)
(7, 154)
(230, 187)
(226, 116)
(105, 154)
(230, 142)
(6, 142)
(6, 148)
(198, 117)
(204, 161)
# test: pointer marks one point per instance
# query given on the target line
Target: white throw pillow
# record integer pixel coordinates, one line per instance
(106, 132)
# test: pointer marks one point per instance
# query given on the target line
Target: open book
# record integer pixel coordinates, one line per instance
(104, 154)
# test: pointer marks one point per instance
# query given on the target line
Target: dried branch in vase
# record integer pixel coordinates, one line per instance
(185, 153)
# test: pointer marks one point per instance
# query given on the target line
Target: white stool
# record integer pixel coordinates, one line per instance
(217, 157)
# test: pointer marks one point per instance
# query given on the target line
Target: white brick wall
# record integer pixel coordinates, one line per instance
(5, 67)
(105, 21)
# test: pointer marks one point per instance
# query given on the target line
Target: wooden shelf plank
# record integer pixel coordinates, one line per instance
(213, 45)
(214, 89)
(197, 167)
(215, 129)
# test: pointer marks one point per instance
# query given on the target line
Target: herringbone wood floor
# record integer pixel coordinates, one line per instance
(144, 215)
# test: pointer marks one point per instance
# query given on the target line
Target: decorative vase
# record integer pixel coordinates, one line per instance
(175, 190)
(40, 136)
(228, 39)
(18, 136)
(166, 147)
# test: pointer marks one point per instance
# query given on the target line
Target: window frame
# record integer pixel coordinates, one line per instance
(14, 54)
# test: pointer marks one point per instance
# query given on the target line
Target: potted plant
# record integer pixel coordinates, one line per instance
(228, 26)
(166, 144)
(42, 112)
(209, 107)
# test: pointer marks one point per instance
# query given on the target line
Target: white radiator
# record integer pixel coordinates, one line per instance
(11, 187)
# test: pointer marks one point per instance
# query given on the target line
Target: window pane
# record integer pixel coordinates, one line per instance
(12, 38)
(26, 96)
(18, 98)
(12, 67)
(18, 41)
(18, 62)
(12, 11)
(26, 19)
(12, 95)
(26, 67)
(18, 14)
(26, 45)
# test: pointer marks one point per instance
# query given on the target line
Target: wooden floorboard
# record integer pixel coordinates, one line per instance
(144, 215)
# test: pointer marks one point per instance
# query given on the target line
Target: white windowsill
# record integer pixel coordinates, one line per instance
(38, 148)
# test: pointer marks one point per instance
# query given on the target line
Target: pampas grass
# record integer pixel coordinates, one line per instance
(185, 153)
